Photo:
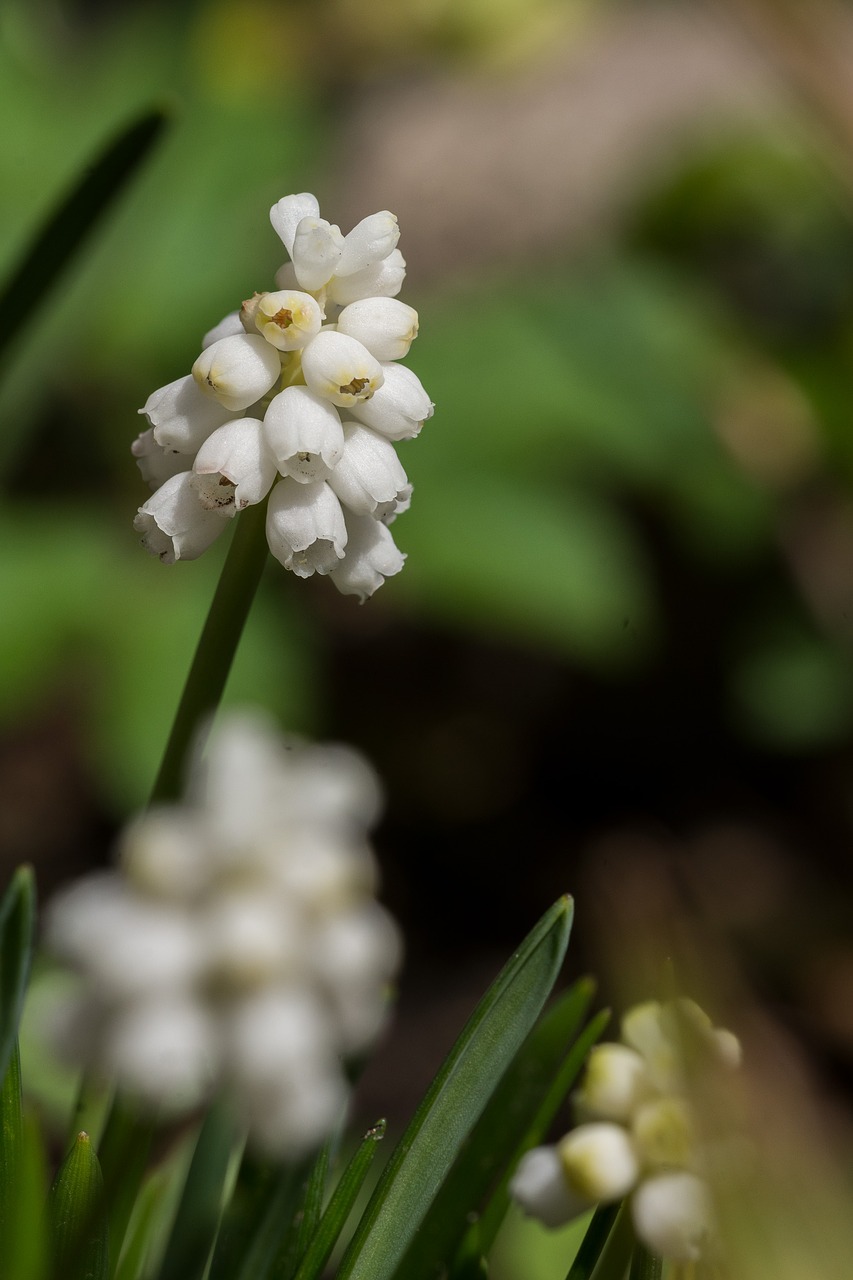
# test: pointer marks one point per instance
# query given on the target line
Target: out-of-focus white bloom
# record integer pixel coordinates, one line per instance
(238, 946)
(371, 557)
(641, 1139)
(238, 370)
(276, 362)
(305, 527)
(173, 523)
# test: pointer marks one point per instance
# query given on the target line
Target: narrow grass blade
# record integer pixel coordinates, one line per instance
(11, 1154)
(17, 925)
(644, 1265)
(340, 1206)
(197, 1221)
(78, 1223)
(455, 1100)
(263, 1211)
(495, 1140)
(124, 1150)
(295, 1244)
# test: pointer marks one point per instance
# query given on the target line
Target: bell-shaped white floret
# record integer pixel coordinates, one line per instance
(173, 523)
(156, 464)
(399, 408)
(288, 318)
(238, 370)
(251, 938)
(369, 242)
(616, 1080)
(599, 1161)
(386, 326)
(234, 468)
(673, 1216)
(287, 214)
(305, 527)
(163, 1050)
(369, 478)
(663, 1133)
(340, 369)
(539, 1186)
(371, 557)
(317, 249)
(164, 853)
(304, 434)
(383, 280)
(228, 326)
(181, 416)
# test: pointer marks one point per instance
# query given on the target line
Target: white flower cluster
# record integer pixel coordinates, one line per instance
(239, 945)
(298, 395)
(639, 1136)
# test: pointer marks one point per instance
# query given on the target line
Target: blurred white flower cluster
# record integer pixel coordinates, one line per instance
(239, 945)
(639, 1133)
(298, 397)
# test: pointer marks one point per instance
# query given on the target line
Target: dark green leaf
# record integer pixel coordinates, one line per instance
(608, 1242)
(494, 1142)
(78, 1221)
(197, 1220)
(340, 1206)
(456, 1099)
(261, 1215)
(11, 1153)
(295, 1244)
(644, 1265)
(124, 1149)
(17, 923)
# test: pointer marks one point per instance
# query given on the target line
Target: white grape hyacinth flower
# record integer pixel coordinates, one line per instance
(300, 386)
(638, 1138)
(238, 947)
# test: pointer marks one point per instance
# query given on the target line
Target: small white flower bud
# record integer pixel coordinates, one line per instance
(251, 938)
(287, 214)
(304, 434)
(317, 249)
(305, 527)
(173, 523)
(663, 1133)
(164, 854)
(399, 407)
(369, 242)
(227, 328)
(288, 318)
(368, 478)
(615, 1081)
(156, 464)
(539, 1186)
(181, 416)
(673, 1216)
(386, 326)
(340, 369)
(599, 1161)
(162, 1050)
(648, 1029)
(234, 468)
(371, 557)
(238, 370)
(383, 280)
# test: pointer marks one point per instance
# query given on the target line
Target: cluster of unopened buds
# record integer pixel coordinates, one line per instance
(638, 1135)
(296, 399)
(239, 947)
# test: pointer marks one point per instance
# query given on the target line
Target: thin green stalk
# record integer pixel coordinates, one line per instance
(644, 1265)
(217, 645)
(616, 1255)
(592, 1245)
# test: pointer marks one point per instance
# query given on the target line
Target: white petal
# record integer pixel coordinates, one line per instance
(369, 242)
(368, 478)
(371, 557)
(228, 326)
(383, 280)
(155, 463)
(251, 937)
(317, 250)
(673, 1216)
(234, 468)
(305, 527)
(237, 371)
(304, 434)
(288, 318)
(599, 1161)
(164, 853)
(286, 215)
(182, 416)
(539, 1186)
(616, 1080)
(173, 523)
(281, 1031)
(340, 369)
(164, 1051)
(399, 408)
(386, 326)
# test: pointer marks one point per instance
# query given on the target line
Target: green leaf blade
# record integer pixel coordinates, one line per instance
(17, 929)
(78, 1221)
(455, 1100)
(340, 1206)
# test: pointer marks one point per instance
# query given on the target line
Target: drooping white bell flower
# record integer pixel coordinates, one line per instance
(288, 318)
(371, 557)
(304, 434)
(368, 478)
(600, 1161)
(234, 468)
(398, 408)
(305, 527)
(156, 464)
(182, 416)
(369, 243)
(238, 370)
(386, 326)
(173, 523)
(382, 280)
(287, 214)
(673, 1216)
(539, 1186)
(340, 369)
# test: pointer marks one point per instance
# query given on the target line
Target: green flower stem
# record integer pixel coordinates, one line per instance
(644, 1265)
(594, 1241)
(217, 645)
